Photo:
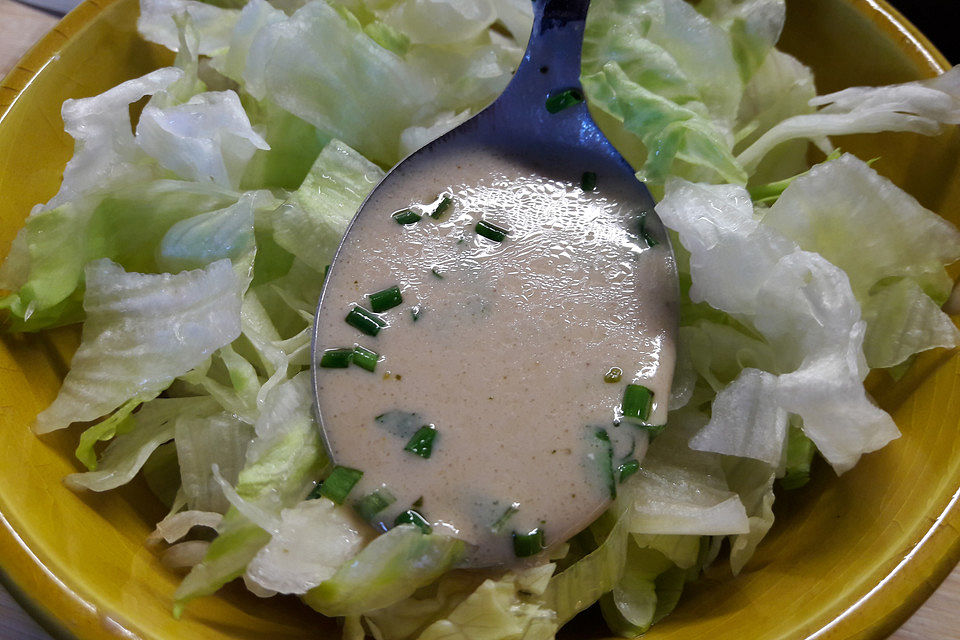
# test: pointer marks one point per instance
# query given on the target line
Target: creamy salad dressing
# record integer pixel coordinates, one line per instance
(502, 346)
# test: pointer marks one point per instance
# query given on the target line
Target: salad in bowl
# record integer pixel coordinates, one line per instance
(191, 240)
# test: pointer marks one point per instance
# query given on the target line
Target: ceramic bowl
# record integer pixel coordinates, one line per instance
(849, 557)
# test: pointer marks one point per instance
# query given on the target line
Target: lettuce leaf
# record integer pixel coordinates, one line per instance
(921, 106)
(151, 426)
(754, 27)
(389, 569)
(142, 331)
(320, 67)
(805, 309)
(125, 226)
(280, 469)
(679, 490)
(214, 25)
(203, 441)
(497, 610)
(668, 74)
(208, 138)
(642, 597)
(313, 539)
(310, 225)
(898, 263)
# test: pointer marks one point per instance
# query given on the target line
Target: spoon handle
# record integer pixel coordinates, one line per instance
(525, 114)
(556, 39)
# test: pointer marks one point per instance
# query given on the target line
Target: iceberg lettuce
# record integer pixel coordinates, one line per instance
(141, 332)
(898, 274)
(922, 106)
(195, 244)
(804, 308)
(388, 570)
(312, 540)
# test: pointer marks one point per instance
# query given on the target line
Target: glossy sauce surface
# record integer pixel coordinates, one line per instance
(502, 346)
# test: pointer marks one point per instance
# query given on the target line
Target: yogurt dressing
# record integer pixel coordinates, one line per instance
(502, 346)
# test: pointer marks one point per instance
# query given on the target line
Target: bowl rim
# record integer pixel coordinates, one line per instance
(906, 586)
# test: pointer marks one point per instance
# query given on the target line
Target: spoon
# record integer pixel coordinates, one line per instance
(494, 343)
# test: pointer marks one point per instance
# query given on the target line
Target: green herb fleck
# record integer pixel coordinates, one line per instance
(637, 402)
(528, 544)
(412, 517)
(373, 503)
(421, 444)
(365, 321)
(588, 181)
(336, 358)
(613, 375)
(492, 231)
(406, 216)
(339, 483)
(647, 237)
(560, 100)
(364, 358)
(606, 461)
(386, 299)
(628, 468)
(497, 526)
(442, 205)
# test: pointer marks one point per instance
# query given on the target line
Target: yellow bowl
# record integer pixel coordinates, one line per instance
(848, 558)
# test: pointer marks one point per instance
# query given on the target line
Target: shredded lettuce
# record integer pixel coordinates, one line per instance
(921, 106)
(897, 275)
(389, 569)
(311, 223)
(150, 427)
(141, 332)
(313, 539)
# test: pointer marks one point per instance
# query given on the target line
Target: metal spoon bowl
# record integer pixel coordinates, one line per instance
(526, 164)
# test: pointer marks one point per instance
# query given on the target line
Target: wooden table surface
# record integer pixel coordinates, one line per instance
(21, 26)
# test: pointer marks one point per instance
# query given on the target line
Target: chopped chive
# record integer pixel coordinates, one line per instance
(421, 444)
(336, 358)
(652, 429)
(412, 517)
(492, 231)
(606, 461)
(317, 492)
(406, 216)
(364, 358)
(588, 181)
(441, 208)
(637, 402)
(326, 270)
(415, 312)
(386, 299)
(339, 483)
(628, 468)
(418, 502)
(373, 503)
(365, 321)
(528, 544)
(560, 100)
(800, 452)
(502, 520)
(613, 375)
(436, 272)
(649, 239)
